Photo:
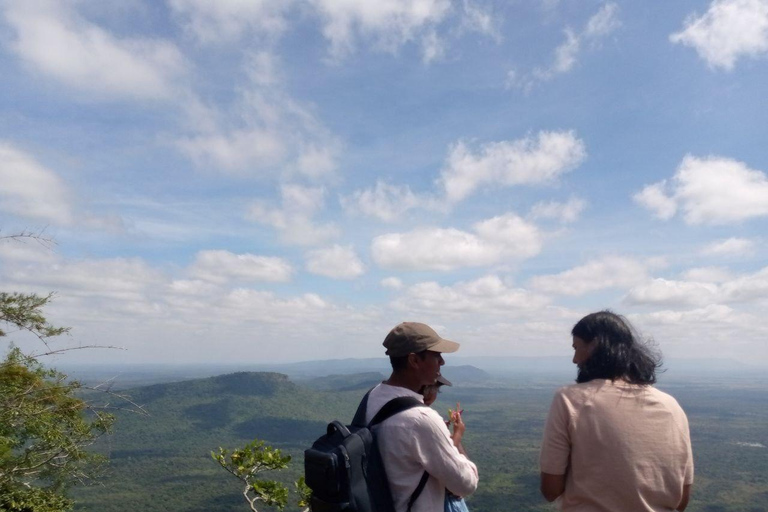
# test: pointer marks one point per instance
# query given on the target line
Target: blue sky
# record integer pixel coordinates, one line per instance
(283, 180)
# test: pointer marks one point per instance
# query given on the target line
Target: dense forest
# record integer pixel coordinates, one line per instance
(162, 462)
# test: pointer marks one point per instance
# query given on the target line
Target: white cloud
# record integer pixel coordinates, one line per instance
(711, 190)
(227, 20)
(221, 266)
(126, 302)
(432, 47)
(388, 24)
(750, 287)
(564, 212)
(51, 38)
(599, 26)
(504, 237)
(266, 132)
(603, 23)
(708, 315)
(516, 238)
(118, 279)
(386, 202)
(708, 275)
(32, 191)
(235, 151)
(192, 287)
(531, 160)
(480, 20)
(672, 293)
(730, 247)
(607, 272)
(656, 199)
(744, 288)
(432, 249)
(527, 161)
(294, 219)
(565, 57)
(729, 30)
(337, 262)
(393, 283)
(487, 295)
(26, 250)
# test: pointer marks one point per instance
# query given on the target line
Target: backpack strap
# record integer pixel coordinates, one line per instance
(359, 419)
(394, 406)
(418, 490)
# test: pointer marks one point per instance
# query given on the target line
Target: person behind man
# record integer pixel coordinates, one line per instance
(612, 441)
(417, 440)
(453, 503)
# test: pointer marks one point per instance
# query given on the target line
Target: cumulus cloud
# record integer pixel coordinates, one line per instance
(221, 266)
(118, 279)
(672, 293)
(496, 239)
(527, 161)
(50, 37)
(486, 295)
(702, 287)
(599, 26)
(235, 151)
(294, 217)
(607, 272)
(32, 191)
(564, 212)
(478, 19)
(708, 315)
(227, 20)
(266, 133)
(729, 30)
(388, 25)
(730, 247)
(336, 262)
(710, 190)
(25, 250)
(750, 287)
(708, 274)
(392, 283)
(127, 302)
(386, 202)
(657, 201)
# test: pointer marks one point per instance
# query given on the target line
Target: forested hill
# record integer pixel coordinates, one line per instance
(162, 462)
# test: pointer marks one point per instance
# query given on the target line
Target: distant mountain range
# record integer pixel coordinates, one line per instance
(162, 461)
(460, 370)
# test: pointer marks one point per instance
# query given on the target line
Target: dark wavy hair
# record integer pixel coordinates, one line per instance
(619, 353)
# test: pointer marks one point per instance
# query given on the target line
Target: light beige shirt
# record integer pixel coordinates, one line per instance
(623, 447)
(414, 441)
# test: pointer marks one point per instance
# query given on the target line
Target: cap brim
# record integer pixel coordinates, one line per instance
(444, 346)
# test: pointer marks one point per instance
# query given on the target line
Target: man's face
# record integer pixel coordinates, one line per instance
(430, 367)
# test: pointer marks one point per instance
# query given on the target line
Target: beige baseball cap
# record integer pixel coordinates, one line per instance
(414, 337)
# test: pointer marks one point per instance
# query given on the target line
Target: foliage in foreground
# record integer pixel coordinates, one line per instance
(45, 428)
(247, 462)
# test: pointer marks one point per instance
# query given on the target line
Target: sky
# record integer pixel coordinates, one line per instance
(286, 180)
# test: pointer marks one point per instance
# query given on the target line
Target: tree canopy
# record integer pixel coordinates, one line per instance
(45, 424)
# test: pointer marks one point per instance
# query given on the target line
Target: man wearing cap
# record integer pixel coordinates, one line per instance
(417, 440)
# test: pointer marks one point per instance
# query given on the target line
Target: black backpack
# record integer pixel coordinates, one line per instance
(344, 469)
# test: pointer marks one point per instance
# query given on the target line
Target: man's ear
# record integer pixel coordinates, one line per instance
(413, 360)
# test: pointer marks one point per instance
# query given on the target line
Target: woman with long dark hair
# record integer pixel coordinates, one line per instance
(612, 441)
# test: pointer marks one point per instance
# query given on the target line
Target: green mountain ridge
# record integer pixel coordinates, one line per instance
(162, 462)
